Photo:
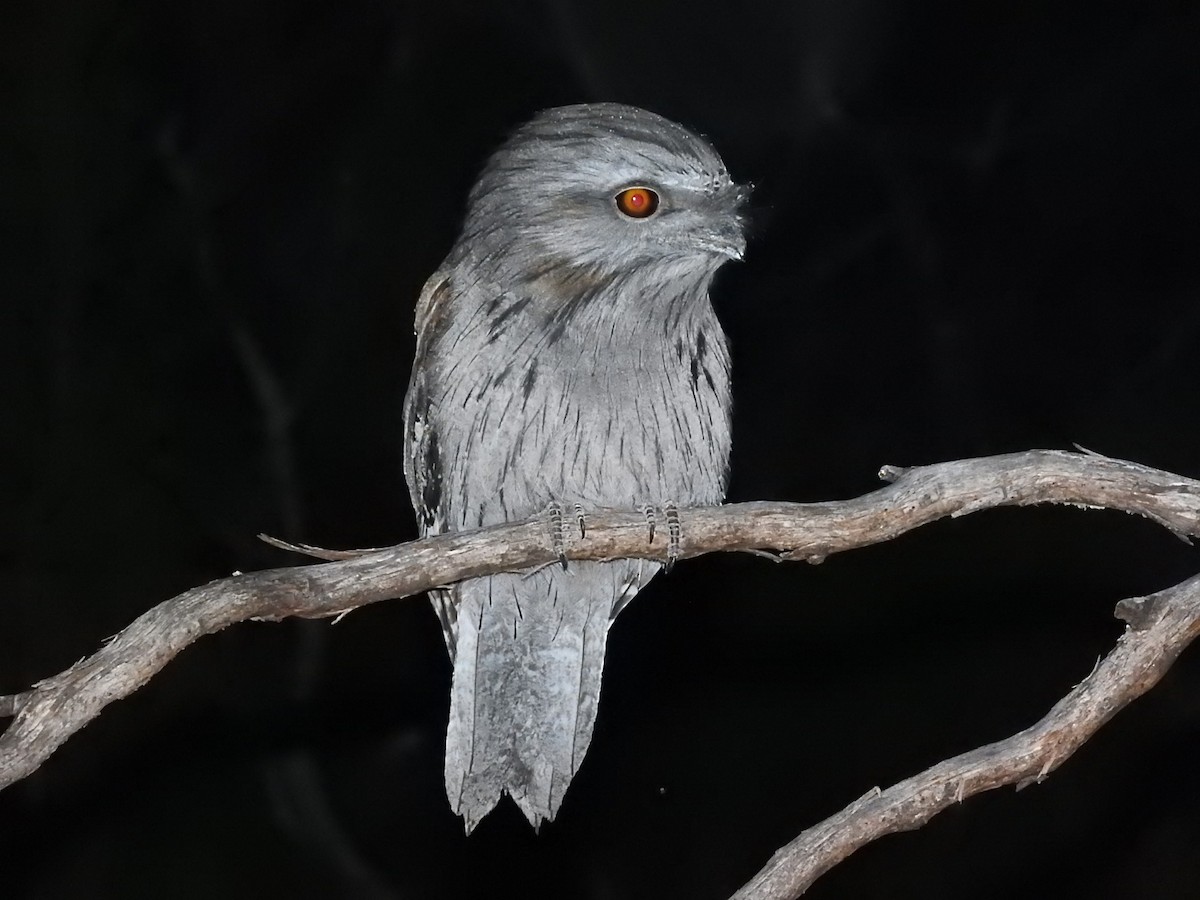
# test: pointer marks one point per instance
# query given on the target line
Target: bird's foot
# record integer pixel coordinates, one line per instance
(559, 527)
(674, 531)
(651, 521)
(558, 543)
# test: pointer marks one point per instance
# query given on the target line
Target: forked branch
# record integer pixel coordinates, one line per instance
(47, 714)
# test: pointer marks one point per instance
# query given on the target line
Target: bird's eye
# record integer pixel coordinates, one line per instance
(637, 202)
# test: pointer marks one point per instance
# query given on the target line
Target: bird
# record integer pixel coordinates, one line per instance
(568, 358)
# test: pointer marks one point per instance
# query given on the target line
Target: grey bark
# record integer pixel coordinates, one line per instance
(1160, 626)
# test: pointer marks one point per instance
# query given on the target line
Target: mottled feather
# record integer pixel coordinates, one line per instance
(565, 353)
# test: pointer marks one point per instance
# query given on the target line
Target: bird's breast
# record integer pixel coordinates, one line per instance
(595, 422)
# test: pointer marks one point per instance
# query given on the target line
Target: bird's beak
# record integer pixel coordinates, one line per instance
(731, 234)
(724, 231)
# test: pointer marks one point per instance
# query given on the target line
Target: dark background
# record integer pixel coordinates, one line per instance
(976, 232)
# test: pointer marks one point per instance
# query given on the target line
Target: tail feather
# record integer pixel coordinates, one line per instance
(528, 663)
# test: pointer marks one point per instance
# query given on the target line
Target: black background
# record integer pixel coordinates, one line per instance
(976, 232)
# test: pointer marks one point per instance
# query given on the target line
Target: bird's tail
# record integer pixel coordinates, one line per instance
(529, 656)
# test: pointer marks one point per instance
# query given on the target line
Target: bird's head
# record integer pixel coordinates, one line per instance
(606, 188)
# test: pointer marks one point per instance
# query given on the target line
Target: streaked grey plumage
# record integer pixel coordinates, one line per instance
(566, 352)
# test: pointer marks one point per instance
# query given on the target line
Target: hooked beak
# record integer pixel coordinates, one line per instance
(728, 237)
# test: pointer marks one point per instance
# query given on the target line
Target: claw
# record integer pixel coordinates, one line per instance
(674, 533)
(556, 533)
(648, 512)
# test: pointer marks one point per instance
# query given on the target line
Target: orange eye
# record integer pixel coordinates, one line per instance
(637, 202)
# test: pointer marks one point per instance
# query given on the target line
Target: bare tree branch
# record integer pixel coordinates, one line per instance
(1160, 627)
(52, 710)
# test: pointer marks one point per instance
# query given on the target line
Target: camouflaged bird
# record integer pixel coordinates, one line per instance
(568, 357)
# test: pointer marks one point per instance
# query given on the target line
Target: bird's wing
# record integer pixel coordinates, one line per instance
(422, 464)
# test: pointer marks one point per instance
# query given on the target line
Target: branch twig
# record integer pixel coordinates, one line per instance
(52, 710)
